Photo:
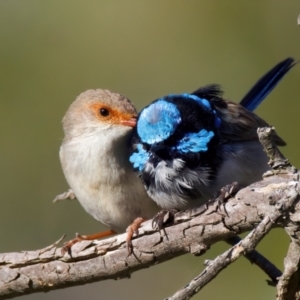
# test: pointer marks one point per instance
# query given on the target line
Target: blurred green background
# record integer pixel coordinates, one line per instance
(51, 51)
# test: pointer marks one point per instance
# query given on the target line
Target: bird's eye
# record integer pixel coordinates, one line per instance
(104, 112)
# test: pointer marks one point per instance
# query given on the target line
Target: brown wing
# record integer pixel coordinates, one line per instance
(238, 123)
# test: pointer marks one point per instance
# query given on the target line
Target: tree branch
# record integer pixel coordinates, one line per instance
(272, 202)
(244, 246)
(195, 232)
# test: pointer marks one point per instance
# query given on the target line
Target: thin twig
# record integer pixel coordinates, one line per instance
(245, 246)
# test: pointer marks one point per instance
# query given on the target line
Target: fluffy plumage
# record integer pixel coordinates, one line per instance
(187, 146)
(94, 157)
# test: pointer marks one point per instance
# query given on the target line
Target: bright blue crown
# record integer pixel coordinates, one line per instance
(158, 121)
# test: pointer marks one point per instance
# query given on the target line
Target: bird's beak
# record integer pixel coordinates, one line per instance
(131, 122)
(157, 147)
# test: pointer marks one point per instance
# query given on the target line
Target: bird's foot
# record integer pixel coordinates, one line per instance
(163, 218)
(69, 195)
(131, 230)
(68, 245)
(225, 193)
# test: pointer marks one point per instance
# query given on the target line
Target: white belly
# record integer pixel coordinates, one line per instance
(104, 183)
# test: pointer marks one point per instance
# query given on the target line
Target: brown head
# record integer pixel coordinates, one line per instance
(98, 109)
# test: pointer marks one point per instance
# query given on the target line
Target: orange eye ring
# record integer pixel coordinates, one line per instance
(110, 115)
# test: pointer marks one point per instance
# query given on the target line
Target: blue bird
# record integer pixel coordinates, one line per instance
(186, 147)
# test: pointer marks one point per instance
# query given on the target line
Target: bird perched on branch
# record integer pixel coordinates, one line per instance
(95, 159)
(185, 147)
(188, 146)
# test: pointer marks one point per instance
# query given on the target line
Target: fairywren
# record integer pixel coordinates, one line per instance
(188, 146)
(94, 157)
(184, 148)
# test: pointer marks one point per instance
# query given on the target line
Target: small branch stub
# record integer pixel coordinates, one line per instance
(276, 158)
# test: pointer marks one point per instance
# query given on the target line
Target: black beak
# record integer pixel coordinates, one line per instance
(157, 147)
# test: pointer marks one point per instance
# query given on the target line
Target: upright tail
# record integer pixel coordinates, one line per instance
(266, 84)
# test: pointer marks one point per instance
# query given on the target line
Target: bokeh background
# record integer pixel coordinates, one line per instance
(50, 51)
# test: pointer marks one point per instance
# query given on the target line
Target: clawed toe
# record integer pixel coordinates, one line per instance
(68, 245)
(66, 248)
(225, 193)
(163, 218)
(131, 230)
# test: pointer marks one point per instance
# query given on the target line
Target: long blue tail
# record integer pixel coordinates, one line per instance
(266, 84)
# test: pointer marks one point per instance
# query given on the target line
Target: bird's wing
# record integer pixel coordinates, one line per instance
(238, 123)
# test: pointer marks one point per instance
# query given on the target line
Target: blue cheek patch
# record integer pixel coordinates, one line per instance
(195, 142)
(139, 158)
(158, 121)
